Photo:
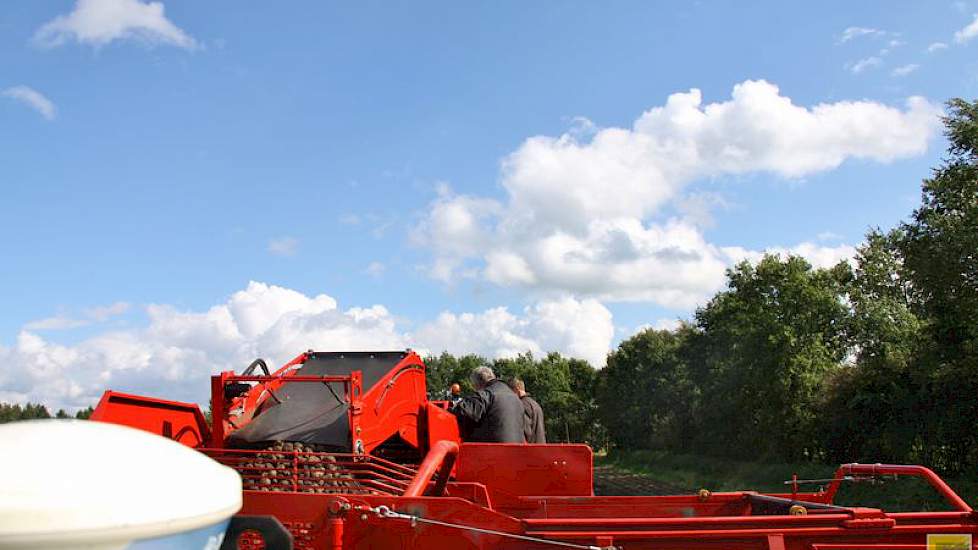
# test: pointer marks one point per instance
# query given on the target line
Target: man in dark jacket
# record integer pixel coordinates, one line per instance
(494, 412)
(533, 429)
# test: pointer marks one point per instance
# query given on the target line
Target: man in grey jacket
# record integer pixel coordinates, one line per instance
(533, 429)
(493, 413)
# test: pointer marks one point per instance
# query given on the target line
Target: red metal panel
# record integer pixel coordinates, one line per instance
(511, 470)
(441, 425)
(393, 405)
(181, 422)
(473, 492)
(612, 510)
(308, 515)
(219, 421)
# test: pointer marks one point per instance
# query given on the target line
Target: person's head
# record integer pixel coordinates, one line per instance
(456, 389)
(518, 386)
(481, 376)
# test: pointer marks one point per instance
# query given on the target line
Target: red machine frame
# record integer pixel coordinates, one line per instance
(508, 496)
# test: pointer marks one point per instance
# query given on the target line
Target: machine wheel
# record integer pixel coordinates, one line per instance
(271, 530)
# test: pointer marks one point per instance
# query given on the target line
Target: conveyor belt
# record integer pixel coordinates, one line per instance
(315, 412)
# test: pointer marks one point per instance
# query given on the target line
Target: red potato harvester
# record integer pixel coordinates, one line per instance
(345, 451)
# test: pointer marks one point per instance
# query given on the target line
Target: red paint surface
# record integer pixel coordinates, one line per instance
(182, 422)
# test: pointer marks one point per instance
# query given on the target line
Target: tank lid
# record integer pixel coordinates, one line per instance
(65, 477)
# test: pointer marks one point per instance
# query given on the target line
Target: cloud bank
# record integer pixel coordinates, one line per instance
(173, 355)
(586, 216)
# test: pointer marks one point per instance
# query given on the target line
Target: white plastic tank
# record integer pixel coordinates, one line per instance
(82, 484)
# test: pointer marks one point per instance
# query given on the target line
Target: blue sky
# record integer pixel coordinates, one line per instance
(153, 163)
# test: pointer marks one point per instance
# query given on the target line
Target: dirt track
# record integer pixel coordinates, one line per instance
(609, 480)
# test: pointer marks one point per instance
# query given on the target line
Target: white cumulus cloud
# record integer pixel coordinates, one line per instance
(905, 70)
(578, 328)
(855, 32)
(968, 33)
(584, 215)
(659, 324)
(283, 246)
(936, 46)
(864, 64)
(817, 255)
(33, 99)
(99, 22)
(375, 269)
(177, 350)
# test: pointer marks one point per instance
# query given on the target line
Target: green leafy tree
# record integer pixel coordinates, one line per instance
(940, 253)
(30, 411)
(883, 382)
(768, 344)
(645, 397)
(885, 327)
(446, 369)
(941, 244)
(565, 389)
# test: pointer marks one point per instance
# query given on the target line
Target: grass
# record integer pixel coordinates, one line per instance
(693, 472)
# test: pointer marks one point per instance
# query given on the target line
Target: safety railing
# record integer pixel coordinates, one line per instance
(927, 474)
(440, 459)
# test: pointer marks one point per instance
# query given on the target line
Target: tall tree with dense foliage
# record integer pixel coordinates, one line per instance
(769, 342)
(941, 244)
(884, 381)
(940, 251)
(564, 388)
(645, 396)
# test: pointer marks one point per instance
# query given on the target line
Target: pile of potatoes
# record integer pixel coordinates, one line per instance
(274, 467)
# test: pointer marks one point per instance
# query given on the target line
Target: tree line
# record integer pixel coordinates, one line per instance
(32, 411)
(873, 360)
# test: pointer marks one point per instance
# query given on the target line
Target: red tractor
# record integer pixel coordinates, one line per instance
(344, 450)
